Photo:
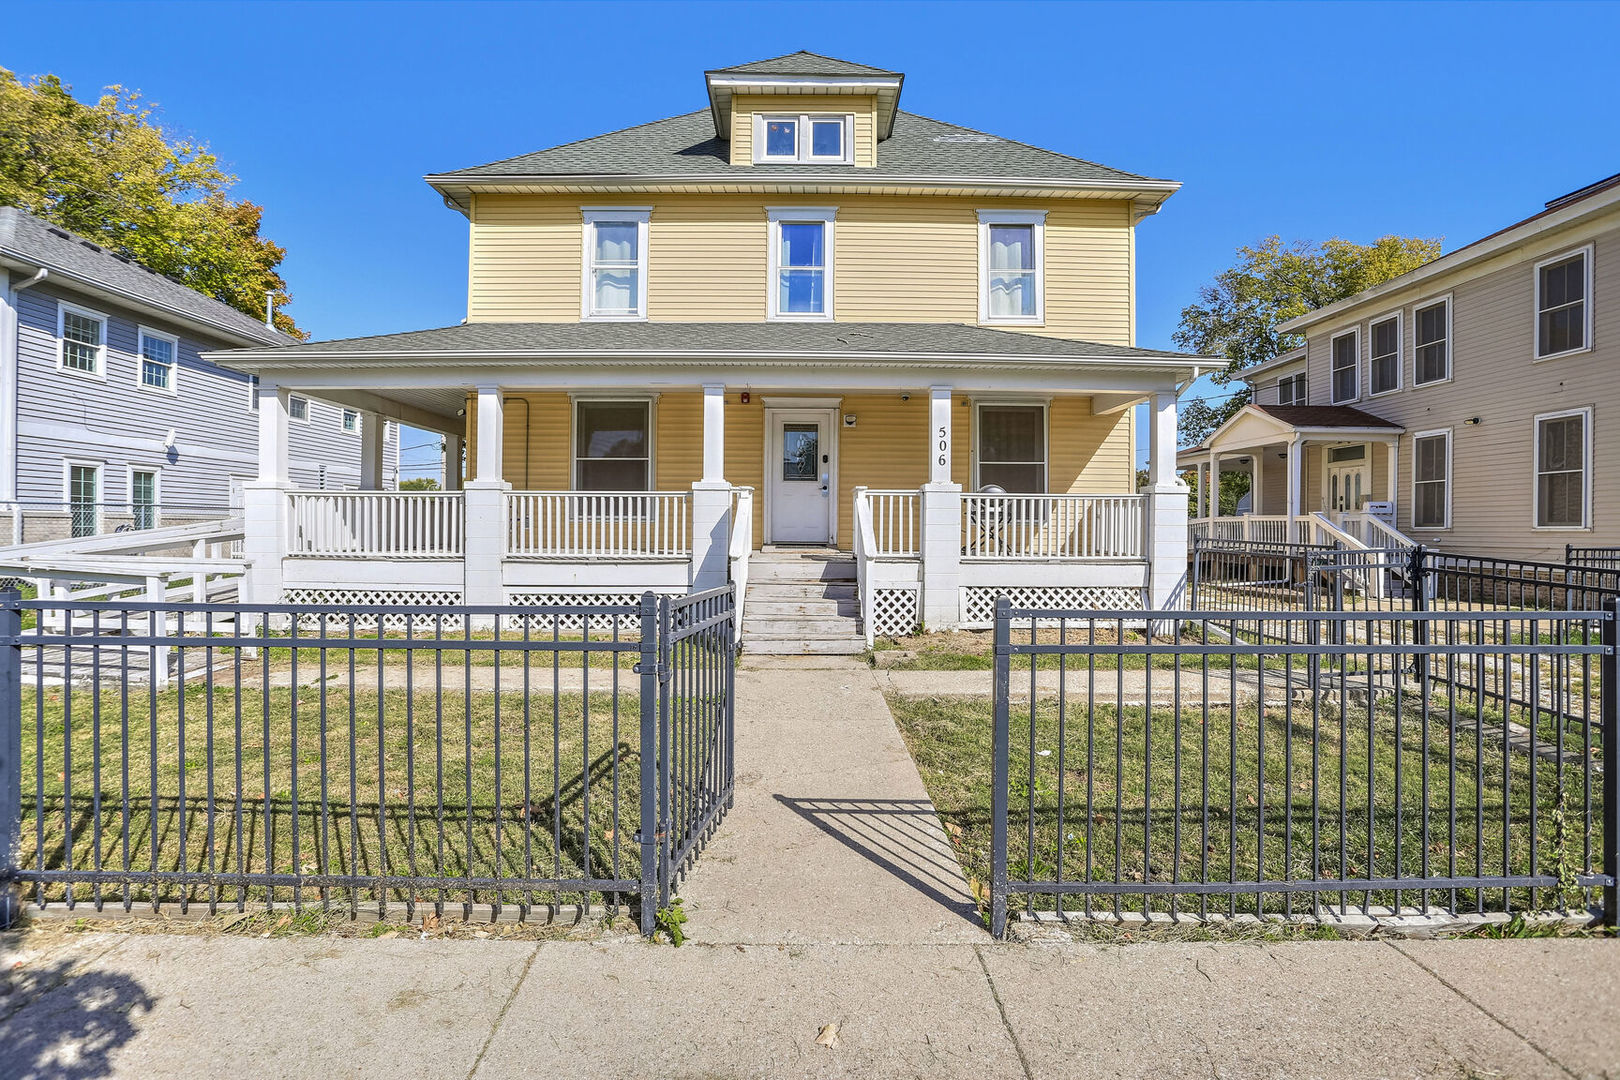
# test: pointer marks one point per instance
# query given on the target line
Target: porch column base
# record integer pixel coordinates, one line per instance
(264, 539)
(941, 606)
(711, 534)
(1165, 540)
(484, 550)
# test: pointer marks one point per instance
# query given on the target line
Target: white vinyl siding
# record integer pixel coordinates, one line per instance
(1563, 477)
(1345, 351)
(1431, 339)
(1431, 480)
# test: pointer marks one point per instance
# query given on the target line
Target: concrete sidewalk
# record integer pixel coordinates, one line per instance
(101, 1004)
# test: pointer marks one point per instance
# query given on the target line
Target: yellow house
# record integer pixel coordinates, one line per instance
(873, 367)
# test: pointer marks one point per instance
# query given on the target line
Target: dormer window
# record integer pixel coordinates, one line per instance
(803, 138)
(615, 263)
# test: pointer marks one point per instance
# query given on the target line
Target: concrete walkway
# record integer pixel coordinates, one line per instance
(95, 1005)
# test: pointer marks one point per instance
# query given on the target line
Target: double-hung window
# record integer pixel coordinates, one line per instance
(351, 421)
(1012, 448)
(801, 254)
(612, 445)
(298, 408)
(1291, 390)
(158, 353)
(803, 139)
(1431, 480)
(1431, 339)
(1012, 287)
(1562, 477)
(615, 263)
(143, 498)
(1384, 355)
(1345, 351)
(1563, 307)
(83, 336)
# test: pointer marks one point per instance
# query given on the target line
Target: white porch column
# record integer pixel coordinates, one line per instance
(1165, 520)
(485, 496)
(264, 500)
(1391, 485)
(711, 498)
(941, 521)
(371, 451)
(1257, 481)
(1296, 471)
(451, 455)
(1212, 494)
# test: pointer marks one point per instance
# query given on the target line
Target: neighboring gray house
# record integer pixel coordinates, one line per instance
(108, 415)
(1473, 403)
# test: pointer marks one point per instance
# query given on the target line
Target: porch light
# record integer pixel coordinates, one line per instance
(743, 397)
(1472, 421)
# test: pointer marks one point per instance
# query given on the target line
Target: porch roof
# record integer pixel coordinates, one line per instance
(1258, 425)
(686, 343)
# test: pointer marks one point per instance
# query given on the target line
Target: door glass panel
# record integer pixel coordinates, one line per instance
(82, 499)
(801, 451)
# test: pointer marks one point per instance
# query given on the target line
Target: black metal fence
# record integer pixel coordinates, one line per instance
(227, 755)
(1599, 558)
(1196, 765)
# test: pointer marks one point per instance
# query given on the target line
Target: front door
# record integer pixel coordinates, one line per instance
(1349, 479)
(800, 478)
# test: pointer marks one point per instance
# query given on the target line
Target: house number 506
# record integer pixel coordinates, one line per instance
(944, 446)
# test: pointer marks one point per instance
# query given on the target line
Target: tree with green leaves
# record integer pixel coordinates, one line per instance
(420, 483)
(111, 173)
(1237, 316)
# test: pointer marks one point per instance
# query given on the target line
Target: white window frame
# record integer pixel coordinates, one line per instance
(309, 409)
(1585, 252)
(157, 490)
(641, 216)
(343, 420)
(1451, 470)
(1400, 353)
(68, 465)
(253, 393)
(1355, 366)
(1585, 412)
(803, 140)
(1451, 349)
(1299, 377)
(776, 217)
(979, 404)
(62, 310)
(1037, 220)
(576, 400)
(141, 334)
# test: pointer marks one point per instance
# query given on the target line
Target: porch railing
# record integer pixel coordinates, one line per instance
(1254, 528)
(896, 519)
(599, 524)
(1019, 527)
(399, 524)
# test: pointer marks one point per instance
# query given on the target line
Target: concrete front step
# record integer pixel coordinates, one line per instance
(802, 646)
(800, 626)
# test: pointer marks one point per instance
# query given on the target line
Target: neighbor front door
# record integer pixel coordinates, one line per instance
(800, 477)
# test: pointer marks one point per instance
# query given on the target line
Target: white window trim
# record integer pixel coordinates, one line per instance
(1302, 379)
(1035, 218)
(591, 215)
(1400, 353)
(68, 465)
(1451, 469)
(62, 309)
(253, 393)
(1354, 331)
(1451, 347)
(1042, 404)
(1586, 304)
(157, 490)
(777, 215)
(802, 154)
(309, 410)
(359, 421)
(1585, 412)
(576, 400)
(141, 334)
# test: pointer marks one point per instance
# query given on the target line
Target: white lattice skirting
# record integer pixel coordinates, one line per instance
(359, 599)
(979, 602)
(627, 625)
(894, 611)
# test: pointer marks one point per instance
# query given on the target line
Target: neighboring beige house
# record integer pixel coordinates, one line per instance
(1472, 403)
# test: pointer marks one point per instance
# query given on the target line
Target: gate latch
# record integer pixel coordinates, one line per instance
(660, 669)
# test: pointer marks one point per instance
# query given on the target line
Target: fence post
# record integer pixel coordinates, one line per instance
(647, 835)
(1417, 574)
(998, 769)
(1609, 708)
(1192, 600)
(10, 752)
(730, 778)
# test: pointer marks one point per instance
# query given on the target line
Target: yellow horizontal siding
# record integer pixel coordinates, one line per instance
(1090, 455)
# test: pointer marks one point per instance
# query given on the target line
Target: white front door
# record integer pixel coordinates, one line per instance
(800, 477)
(1348, 486)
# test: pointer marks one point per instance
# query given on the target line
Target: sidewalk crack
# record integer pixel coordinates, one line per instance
(1018, 1047)
(501, 1016)
(1509, 1028)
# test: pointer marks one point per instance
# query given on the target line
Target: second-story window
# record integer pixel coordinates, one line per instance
(1011, 274)
(83, 336)
(351, 421)
(158, 352)
(616, 263)
(1563, 314)
(801, 263)
(1345, 351)
(802, 138)
(1291, 390)
(298, 408)
(1384, 355)
(1431, 338)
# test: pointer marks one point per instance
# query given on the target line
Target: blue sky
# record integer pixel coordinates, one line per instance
(1310, 121)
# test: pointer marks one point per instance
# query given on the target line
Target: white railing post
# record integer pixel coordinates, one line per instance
(1164, 526)
(742, 545)
(711, 533)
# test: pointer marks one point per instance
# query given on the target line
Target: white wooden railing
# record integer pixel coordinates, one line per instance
(598, 524)
(896, 519)
(1373, 532)
(1022, 527)
(864, 541)
(742, 544)
(398, 524)
(1265, 529)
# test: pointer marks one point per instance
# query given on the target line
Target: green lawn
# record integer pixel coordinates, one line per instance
(1135, 798)
(458, 796)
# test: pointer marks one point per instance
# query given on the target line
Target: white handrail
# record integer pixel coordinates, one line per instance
(865, 543)
(399, 524)
(1051, 527)
(742, 544)
(598, 524)
(896, 522)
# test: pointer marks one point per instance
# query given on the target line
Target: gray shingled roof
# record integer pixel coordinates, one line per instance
(789, 339)
(686, 146)
(35, 241)
(802, 63)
